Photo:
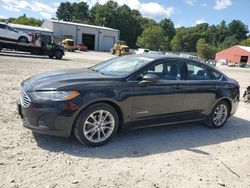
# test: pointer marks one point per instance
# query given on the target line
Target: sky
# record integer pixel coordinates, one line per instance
(182, 12)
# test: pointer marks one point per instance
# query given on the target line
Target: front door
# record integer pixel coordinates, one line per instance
(162, 101)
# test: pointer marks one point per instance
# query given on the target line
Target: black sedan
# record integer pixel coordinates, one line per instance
(126, 92)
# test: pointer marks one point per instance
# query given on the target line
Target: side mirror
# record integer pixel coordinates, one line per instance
(149, 79)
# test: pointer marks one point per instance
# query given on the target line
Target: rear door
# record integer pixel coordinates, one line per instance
(160, 102)
(200, 91)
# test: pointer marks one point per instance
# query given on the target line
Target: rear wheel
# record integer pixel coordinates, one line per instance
(96, 125)
(23, 40)
(219, 115)
(51, 56)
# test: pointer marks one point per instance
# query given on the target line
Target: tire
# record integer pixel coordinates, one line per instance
(221, 111)
(23, 40)
(51, 56)
(90, 130)
(58, 54)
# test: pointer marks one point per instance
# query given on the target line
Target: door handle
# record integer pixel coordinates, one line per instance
(214, 87)
(177, 87)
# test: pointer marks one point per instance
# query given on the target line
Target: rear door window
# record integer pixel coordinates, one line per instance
(196, 72)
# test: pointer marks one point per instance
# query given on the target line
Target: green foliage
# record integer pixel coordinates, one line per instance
(64, 11)
(73, 12)
(228, 42)
(246, 42)
(185, 40)
(239, 29)
(80, 12)
(24, 20)
(153, 38)
(129, 22)
(168, 26)
(205, 50)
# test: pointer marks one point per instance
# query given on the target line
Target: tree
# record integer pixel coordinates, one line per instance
(246, 42)
(64, 11)
(185, 40)
(129, 22)
(80, 12)
(105, 15)
(228, 42)
(153, 38)
(24, 20)
(239, 29)
(168, 26)
(205, 50)
(73, 12)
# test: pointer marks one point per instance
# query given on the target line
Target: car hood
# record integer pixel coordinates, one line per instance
(62, 78)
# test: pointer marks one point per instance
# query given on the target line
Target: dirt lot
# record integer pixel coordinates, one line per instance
(174, 156)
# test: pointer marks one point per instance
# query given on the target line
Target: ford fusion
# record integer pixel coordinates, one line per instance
(126, 92)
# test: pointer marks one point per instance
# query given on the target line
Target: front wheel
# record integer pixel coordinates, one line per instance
(23, 40)
(97, 124)
(219, 115)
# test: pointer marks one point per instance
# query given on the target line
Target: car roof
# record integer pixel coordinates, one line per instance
(156, 56)
(166, 57)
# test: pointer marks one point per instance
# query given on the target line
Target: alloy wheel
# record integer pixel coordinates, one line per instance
(99, 126)
(220, 115)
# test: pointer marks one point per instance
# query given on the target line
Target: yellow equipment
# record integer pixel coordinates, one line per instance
(120, 48)
(68, 45)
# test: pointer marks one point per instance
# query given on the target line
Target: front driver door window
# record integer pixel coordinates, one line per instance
(165, 71)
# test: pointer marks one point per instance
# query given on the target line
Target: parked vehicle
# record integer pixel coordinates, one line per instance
(82, 47)
(170, 54)
(40, 45)
(120, 48)
(223, 62)
(211, 62)
(155, 52)
(126, 92)
(9, 33)
(141, 51)
(68, 45)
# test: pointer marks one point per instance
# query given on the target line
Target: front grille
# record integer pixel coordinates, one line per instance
(24, 99)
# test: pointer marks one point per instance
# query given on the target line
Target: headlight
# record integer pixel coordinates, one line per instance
(54, 95)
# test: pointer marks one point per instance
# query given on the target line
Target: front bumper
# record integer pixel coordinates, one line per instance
(50, 120)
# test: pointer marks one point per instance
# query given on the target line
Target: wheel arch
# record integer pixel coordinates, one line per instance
(111, 103)
(227, 100)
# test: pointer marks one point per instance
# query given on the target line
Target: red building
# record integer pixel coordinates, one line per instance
(235, 54)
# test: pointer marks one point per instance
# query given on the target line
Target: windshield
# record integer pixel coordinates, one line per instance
(121, 66)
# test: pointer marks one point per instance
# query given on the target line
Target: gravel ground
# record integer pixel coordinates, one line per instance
(172, 156)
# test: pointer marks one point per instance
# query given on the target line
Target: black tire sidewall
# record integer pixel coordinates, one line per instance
(211, 122)
(78, 127)
(25, 40)
(58, 55)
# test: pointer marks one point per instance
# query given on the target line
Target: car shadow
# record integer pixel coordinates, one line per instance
(141, 142)
(26, 55)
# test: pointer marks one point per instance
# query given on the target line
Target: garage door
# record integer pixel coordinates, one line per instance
(108, 43)
(89, 41)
